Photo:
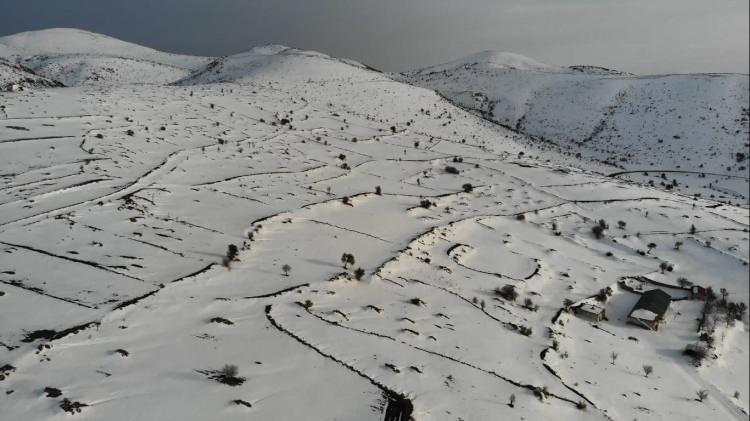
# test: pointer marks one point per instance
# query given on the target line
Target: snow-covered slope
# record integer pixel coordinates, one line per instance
(690, 124)
(396, 258)
(12, 74)
(274, 62)
(77, 57)
(76, 70)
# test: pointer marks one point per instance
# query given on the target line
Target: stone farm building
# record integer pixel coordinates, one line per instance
(650, 309)
(590, 312)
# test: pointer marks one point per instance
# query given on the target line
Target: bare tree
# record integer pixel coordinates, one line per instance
(613, 356)
(647, 369)
(232, 252)
(347, 259)
(683, 282)
(229, 370)
(286, 268)
(702, 394)
(663, 266)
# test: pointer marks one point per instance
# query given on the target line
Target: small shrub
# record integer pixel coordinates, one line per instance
(229, 375)
(52, 392)
(665, 266)
(417, 301)
(508, 292)
(222, 321)
(702, 394)
(528, 303)
(602, 295)
(698, 352)
(451, 170)
(71, 407)
(541, 393)
(242, 402)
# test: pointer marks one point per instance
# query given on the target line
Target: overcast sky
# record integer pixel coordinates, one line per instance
(639, 36)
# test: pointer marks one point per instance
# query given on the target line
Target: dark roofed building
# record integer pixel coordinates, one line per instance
(650, 309)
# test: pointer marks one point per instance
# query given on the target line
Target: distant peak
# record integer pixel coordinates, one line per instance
(505, 59)
(493, 60)
(70, 41)
(268, 49)
(50, 36)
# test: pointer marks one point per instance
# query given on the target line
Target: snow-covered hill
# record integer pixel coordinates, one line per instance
(682, 125)
(64, 41)
(76, 57)
(284, 235)
(274, 62)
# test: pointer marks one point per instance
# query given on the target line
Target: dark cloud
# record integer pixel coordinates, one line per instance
(641, 36)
